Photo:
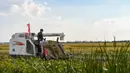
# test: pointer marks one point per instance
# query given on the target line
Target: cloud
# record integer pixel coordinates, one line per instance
(29, 8)
(77, 22)
(18, 13)
(77, 29)
(113, 27)
(45, 3)
(113, 24)
(3, 14)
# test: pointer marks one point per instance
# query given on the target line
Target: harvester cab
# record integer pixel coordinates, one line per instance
(23, 44)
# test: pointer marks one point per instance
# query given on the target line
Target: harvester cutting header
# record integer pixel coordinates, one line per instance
(25, 44)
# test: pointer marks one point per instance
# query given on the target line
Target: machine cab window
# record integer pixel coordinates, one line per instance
(21, 35)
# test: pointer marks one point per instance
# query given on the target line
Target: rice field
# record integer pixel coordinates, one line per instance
(98, 58)
(78, 47)
(4, 48)
(89, 47)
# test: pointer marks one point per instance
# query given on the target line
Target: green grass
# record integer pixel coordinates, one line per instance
(81, 63)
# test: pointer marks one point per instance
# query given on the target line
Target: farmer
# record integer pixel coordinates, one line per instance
(40, 39)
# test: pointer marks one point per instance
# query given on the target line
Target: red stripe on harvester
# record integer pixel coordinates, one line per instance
(45, 52)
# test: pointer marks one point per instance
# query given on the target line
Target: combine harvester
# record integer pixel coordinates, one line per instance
(24, 44)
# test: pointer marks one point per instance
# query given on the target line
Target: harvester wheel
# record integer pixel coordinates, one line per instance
(42, 56)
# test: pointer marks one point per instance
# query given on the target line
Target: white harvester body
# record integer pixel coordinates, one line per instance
(19, 45)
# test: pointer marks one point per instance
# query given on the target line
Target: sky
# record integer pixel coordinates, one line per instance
(80, 20)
